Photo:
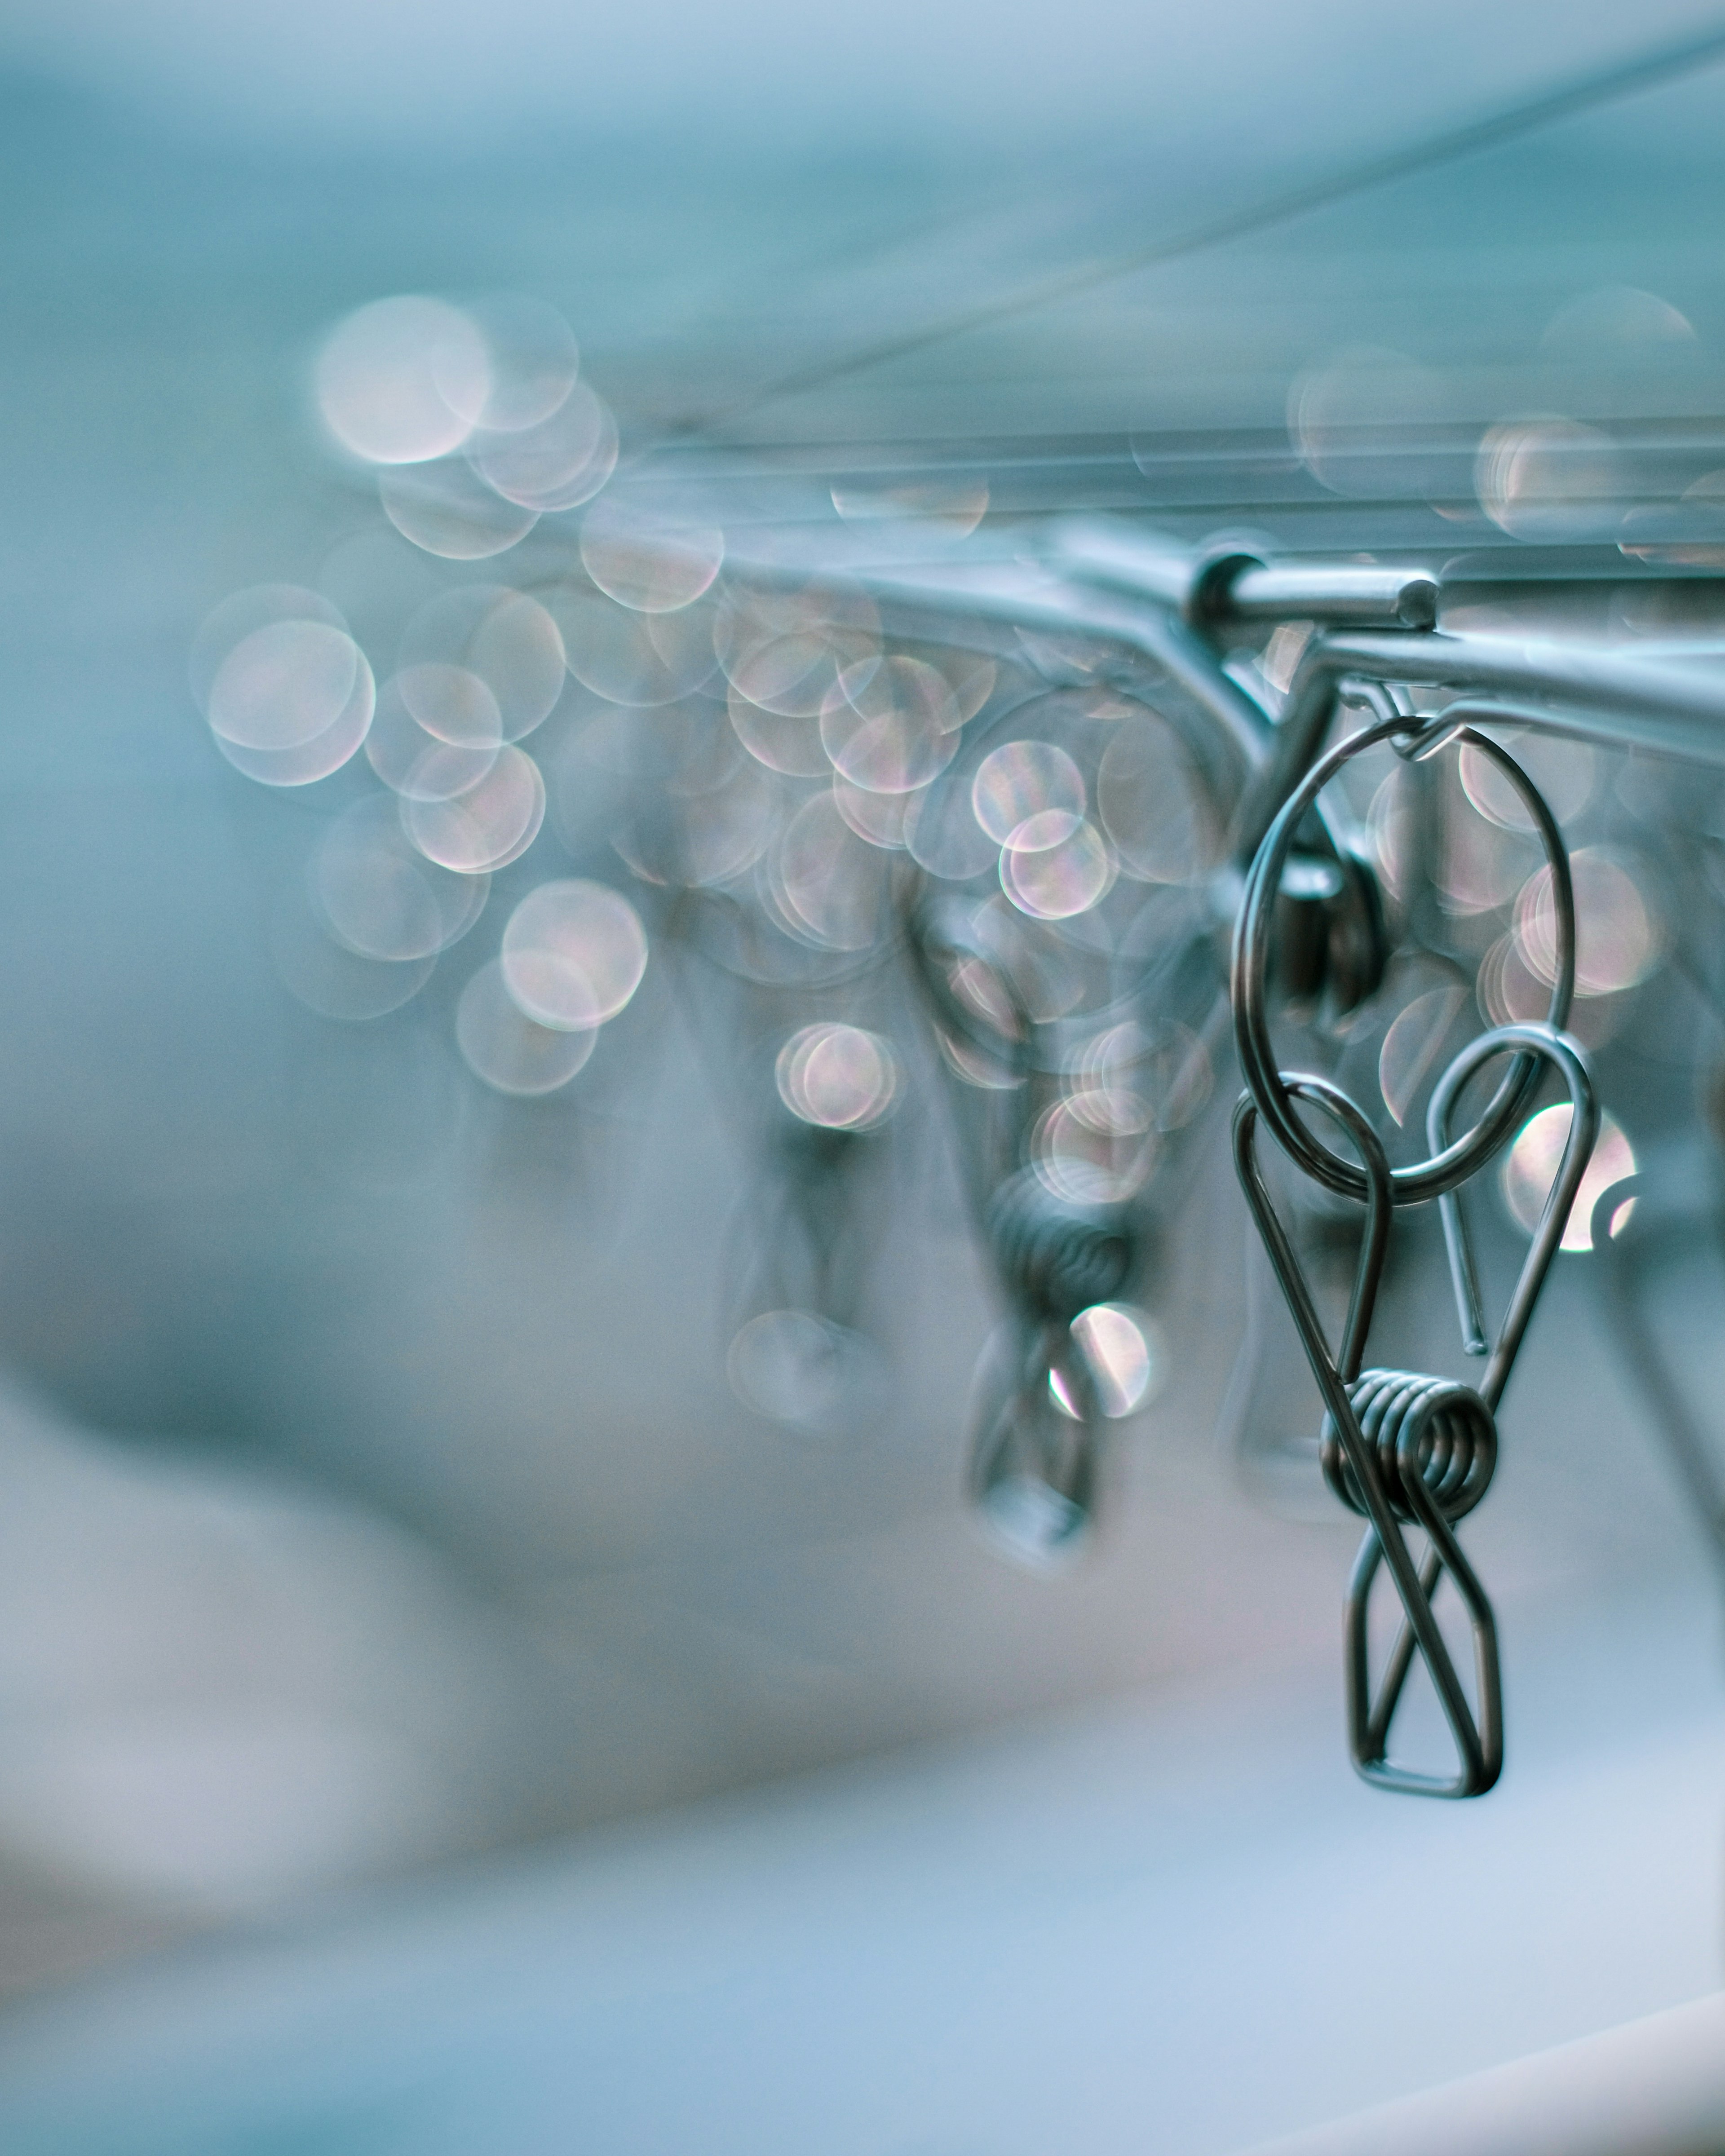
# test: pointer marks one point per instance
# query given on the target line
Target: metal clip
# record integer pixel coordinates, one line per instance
(1400, 1448)
(1037, 1424)
(1034, 1455)
(1420, 1430)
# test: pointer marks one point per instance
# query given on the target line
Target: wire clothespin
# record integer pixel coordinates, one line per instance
(1038, 1422)
(1036, 1444)
(1401, 1449)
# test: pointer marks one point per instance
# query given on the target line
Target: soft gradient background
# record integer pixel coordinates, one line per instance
(371, 1497)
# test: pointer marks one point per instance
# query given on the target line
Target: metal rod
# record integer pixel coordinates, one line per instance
(1017, 596)
(1674, 708)
(1237, 587)
(1338, 592)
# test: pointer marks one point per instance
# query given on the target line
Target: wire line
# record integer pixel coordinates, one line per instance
(1649, 70)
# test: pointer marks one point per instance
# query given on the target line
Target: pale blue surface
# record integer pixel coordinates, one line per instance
(1180, 1927)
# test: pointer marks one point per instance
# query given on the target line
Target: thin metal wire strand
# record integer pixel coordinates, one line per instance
(1647, 70)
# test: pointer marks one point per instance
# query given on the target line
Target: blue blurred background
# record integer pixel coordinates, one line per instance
(434, 1713)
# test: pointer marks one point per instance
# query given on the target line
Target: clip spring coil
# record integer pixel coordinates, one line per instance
(1401, 1449)
(1436, 1442)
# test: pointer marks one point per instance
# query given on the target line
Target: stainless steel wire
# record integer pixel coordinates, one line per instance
(1401, 1449)
(1456, 1160)
(1642, 71)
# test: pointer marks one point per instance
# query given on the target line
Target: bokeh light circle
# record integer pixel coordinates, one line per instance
(488, 825)
(647, 565)
(533, 362)
(1081, 1152)
(784, 651)
(1021, 779)
(1532, 1167)
(573, 954)
(283, 685)
(306, 761)
(445, 509)
(1412, 1041)
(505, 1047)
(892, 726)
(383, 900)
(557, 464)
(1056, 881)
(397, 381)
(417, 764)
(1618, 936)
(517, 651)
(639, 661)
(259, 606)
(839, 1077)
(452, 704)
(1124, 1353)
(831, 884)
(794, 1367)
(328, 977)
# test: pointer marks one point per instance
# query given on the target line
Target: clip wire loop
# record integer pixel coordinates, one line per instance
(1570, 1061)
(1397, 1447)
(1455, 1162)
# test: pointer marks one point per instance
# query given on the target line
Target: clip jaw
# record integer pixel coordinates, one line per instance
(1435, 1443)
(1478, 1734)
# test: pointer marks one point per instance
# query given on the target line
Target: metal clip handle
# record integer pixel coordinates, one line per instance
(1569, 1058)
